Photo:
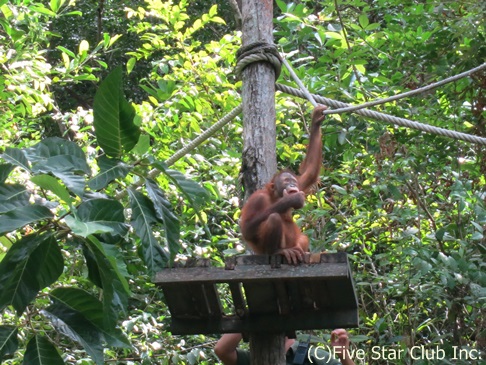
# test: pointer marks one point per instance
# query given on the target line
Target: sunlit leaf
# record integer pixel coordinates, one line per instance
(50, 183)
(83, 46)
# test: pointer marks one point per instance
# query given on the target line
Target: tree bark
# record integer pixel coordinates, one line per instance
(267, 349)
(259, 134)
(259, 142)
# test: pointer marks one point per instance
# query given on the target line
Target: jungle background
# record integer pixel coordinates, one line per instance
(96, 95)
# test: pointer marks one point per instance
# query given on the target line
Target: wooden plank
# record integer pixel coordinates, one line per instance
(251, 273)
(261, 297)
(193, 300)
(277, 297)
(339, 318)
(238, 300)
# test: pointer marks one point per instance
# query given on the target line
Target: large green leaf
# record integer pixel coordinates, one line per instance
(165, 214)
(47, 182)
(106, 263)
(8, 340)
(13, 196)
(60, 163)
(110, 169)
(40, 351)
(107, 212)
(63, 159)
(19, 217)
(46, 156)
(84, 229)
(90, 308)
(74, 325)
(113, 117)
(73, 181)
(16, 157)
(31, 264)
(143, 218)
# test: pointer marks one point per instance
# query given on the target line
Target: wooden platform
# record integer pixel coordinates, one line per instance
(266, 295)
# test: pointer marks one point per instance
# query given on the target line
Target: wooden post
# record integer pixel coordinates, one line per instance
(259, 142)
(259, 134)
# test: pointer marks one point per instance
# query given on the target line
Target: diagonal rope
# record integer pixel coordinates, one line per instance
(387, 118)
(353, 108)
(204, 136)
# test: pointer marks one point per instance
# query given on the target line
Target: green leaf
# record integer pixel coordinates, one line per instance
(75, 325)
(143, 217)
(89, 307)
(192, 191)
(131, 64)
(106, 266)
(106, 212)
(16, 157)
(50, 183)
(5, 170)
(8, 340)
(19, 217)
(40, 351)
(165, 214)
(113, 117)
(66, 51)
(143, 145)
(110, 169)
(41, 9)
(64, 159)
(363, 21)
(30, 265)
(73, 182)
(13, 196)
(84, 229)
(55, 5)
(73, 158)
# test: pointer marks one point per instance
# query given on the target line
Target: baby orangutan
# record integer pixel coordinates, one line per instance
(266, 219)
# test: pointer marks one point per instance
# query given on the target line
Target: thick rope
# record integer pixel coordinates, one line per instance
(306, 92)
(257, 52)
(387, 118)
(204, 136)
(353, 108)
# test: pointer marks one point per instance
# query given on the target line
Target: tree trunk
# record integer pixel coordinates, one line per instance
(267, 349)
(259, 135)
(259, 142)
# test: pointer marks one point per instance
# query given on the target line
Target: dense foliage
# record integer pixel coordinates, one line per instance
(96, 96)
